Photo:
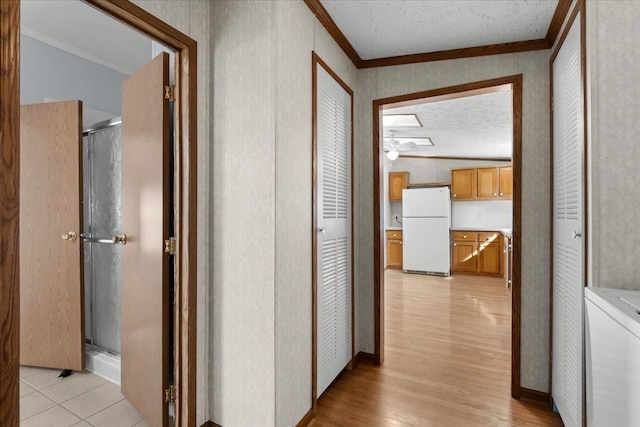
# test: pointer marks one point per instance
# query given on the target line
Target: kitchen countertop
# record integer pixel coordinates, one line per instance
(394, 228)
(505, 231)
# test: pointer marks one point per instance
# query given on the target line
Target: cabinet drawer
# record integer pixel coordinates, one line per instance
(465, 236)
(491, 237)
(394, 234)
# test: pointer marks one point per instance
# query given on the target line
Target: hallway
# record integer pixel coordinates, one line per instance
(447, 361)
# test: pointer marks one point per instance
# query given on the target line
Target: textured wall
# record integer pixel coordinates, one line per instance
(193, 17)
(613, 42)
(398, 80)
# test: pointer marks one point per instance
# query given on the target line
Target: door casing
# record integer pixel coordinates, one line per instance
(378, 268)
(185, 173)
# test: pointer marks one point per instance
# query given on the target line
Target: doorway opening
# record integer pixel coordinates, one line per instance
(470, 171)
(177, 176)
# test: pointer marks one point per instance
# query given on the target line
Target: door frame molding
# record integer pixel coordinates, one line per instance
(378, 285)
(317, 61)
(184, 189)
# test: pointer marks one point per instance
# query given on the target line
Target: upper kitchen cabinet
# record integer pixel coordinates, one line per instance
(506, 182)
(482, 183)
(398, 181)
(487, 183)
(463, 184)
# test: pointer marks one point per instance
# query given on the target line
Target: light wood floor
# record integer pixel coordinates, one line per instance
(447, 361)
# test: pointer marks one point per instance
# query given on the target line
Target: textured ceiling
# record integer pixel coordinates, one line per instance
(80, 29)
(377, 28)
(473, 126)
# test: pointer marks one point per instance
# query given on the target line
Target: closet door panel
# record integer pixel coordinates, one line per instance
(568, 225)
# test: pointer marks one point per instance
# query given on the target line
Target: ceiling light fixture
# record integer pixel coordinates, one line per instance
(401, 120)
(392, 154)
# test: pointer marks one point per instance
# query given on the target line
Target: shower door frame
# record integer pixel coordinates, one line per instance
(185, 158)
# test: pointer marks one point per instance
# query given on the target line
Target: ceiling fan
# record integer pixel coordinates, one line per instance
(392, 147)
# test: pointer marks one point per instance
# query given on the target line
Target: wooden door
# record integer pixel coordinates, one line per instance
(568, 226)
(463, 184)
(334, 240)
(464, 257)
(146, 170)
(506, 182)
(487, 183)
(398, 181)
(51, 287)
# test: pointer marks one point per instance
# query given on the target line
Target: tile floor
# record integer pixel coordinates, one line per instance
(81, 399)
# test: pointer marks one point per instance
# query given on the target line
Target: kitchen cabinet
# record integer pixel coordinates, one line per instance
(482, 183)
(394, 249)
(464, 252)
(506, 182)
(463, 184)
(487, 183)
(489, 253)
(398, 181)
(477, 253)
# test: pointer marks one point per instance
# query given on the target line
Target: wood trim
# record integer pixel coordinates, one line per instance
(469, 52)
(479, 159)
(364, 357)
(306, 420)
(316, 60)
(516, 268)
(210, 424)
(533, 396)
(186, 206)
(579, 7)
(495, 49)
(378, 104)
(329, 24)
(9, 219)
(556, 22)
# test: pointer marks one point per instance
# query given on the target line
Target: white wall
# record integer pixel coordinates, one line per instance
(261, 328)
(397, 80)
(613, 49)
(49, 72)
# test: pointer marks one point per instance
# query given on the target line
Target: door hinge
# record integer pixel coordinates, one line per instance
(170, 394)
(170, 245)
(552, 104)
(170, 93)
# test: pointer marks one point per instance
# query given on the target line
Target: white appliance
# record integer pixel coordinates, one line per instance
(426, 219)
(612, 357)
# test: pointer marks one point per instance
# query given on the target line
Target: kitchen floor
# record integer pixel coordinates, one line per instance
(447, 361)
(82, 399)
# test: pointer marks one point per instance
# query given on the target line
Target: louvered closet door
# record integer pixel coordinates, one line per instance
(334, 228)
(568, 206)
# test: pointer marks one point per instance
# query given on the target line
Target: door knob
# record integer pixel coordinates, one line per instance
(121, 240)
(576, 234)
(322, 230)
(69, 235)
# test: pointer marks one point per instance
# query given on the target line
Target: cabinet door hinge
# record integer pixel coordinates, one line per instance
(170, 245)
(170, 394)
(170, 93)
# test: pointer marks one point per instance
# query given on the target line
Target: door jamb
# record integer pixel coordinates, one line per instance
(185, 200)
(516, 83)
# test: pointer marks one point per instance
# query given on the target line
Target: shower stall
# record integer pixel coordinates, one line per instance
(102, 207)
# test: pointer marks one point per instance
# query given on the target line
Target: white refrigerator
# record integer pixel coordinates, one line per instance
(426, 219)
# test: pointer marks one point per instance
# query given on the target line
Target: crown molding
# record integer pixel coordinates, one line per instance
(496, 49)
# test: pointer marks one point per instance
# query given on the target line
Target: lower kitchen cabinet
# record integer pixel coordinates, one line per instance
(490, 253)
(394, 249)
(463, 257)
(477, 253)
